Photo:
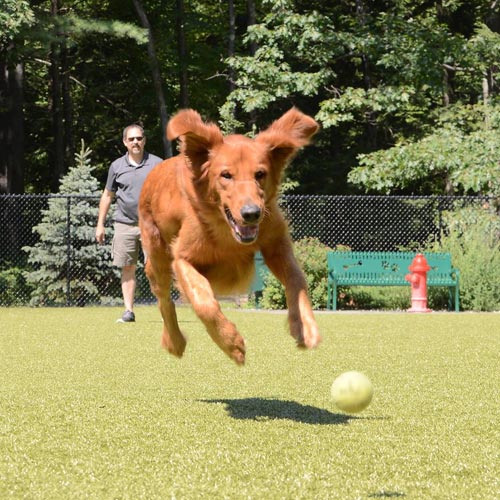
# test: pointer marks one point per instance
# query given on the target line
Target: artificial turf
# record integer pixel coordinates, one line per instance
(94, 409)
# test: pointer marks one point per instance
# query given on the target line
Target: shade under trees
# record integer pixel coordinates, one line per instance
(406, 91)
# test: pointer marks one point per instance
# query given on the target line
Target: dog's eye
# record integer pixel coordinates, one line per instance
(260, 175)
(226, 175)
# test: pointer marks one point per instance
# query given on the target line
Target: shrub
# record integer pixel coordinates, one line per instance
(373, 297)
(13, 287)
(311, 255)
(472, 236)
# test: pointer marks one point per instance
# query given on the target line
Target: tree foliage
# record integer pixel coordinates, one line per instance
(395, 85)
(459, 154)
(16, 17)
(388, 84)
(66, 257)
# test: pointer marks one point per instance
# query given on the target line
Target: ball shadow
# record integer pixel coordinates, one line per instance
(273, 409)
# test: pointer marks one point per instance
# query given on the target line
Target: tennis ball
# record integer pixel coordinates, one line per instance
(352, 391)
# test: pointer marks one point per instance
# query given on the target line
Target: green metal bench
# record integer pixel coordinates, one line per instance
(387, 269)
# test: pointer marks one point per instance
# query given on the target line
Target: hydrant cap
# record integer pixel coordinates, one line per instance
(419, 264)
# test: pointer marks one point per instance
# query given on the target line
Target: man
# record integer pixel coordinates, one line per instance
(125, 179)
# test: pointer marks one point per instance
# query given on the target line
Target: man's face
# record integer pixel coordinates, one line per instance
(135, 141)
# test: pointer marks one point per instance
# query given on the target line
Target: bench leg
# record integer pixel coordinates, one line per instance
(258, 298)
(453, 299)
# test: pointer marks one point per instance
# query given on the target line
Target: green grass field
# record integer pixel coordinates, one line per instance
(94, 409)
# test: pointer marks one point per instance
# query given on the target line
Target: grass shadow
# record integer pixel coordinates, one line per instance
(386, 494)
(273, 409)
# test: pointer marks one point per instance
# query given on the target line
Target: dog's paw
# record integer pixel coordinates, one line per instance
(305, 334)
(237, 351)
(230, 341)
(173, 344)
(311, 344)
(313, 339)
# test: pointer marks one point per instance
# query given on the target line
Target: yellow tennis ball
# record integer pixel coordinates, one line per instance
(352, 391)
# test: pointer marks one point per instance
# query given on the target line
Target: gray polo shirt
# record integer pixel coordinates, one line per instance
(126, 180)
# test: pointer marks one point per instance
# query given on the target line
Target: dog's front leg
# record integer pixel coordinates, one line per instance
(198, 291)
(284, 266)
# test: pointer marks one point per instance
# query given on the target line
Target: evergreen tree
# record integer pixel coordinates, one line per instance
(70, 268)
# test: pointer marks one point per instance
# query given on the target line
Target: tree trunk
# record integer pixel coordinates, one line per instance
(361, 14)
(486, 89)
(56, 107)
(231, 44)
(181, 48)
(252, 19)
(446, 88)
(67, 102)
(157, 81)
(11, 129)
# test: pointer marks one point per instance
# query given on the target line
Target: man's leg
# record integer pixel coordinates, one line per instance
(125, 253)
(128, 286)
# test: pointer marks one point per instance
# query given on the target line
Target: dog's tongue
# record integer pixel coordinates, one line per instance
(247, 233)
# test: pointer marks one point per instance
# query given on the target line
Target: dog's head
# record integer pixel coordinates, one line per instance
(236, 174)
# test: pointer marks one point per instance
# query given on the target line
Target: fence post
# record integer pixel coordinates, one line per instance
(68, 251)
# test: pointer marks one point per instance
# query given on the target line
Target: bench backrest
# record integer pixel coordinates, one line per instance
(386, 267)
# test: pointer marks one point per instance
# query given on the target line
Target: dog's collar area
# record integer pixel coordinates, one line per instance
(244, 233)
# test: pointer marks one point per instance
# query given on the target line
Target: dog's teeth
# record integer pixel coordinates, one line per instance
(247, 232)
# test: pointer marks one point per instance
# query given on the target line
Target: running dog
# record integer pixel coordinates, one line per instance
(204, 214)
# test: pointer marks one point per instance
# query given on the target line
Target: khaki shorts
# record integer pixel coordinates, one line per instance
(126, 245)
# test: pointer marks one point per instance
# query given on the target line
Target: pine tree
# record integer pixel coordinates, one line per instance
(70, 268)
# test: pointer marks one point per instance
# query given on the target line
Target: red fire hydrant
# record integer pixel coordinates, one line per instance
(418, 280)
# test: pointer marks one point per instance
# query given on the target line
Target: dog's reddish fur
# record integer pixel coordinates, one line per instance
(188, 234)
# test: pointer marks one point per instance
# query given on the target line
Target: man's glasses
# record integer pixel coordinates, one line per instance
(138, 139)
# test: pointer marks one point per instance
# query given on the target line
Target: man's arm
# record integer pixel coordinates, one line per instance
(104, 204)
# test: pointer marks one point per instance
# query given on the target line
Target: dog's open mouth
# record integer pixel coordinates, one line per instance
(244, 233)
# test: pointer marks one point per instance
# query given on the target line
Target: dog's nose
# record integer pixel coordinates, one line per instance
(250, 213)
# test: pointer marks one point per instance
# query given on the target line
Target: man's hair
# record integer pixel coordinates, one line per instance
(133, 125)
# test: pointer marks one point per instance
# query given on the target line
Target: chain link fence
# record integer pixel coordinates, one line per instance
(48, 255)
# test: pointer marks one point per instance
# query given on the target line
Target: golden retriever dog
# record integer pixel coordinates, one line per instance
(205, 212)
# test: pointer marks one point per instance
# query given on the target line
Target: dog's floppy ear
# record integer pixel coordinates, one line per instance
(197, 138)
(286, 135)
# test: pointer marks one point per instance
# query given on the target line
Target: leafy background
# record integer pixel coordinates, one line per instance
(406, 91)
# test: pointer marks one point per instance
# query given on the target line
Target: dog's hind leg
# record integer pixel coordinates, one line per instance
(160, 280)
(198, 291)
(172, 338)
(159, 273)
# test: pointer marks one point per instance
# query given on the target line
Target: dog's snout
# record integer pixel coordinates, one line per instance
(250, 213)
